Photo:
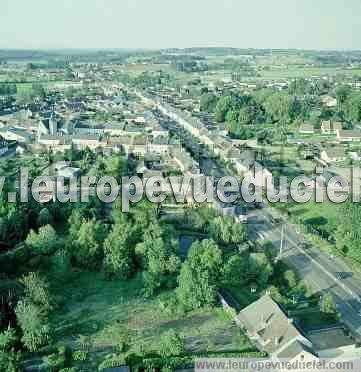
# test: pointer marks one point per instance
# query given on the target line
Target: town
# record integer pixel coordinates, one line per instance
(87, 287)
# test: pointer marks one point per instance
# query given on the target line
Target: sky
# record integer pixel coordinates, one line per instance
(302, 24)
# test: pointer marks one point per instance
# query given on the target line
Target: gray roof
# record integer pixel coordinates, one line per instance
(295, 348)
(350, 133)
(266, 319)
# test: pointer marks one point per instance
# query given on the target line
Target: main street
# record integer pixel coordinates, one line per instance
(319, 270)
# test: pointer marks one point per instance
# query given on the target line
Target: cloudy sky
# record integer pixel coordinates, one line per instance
(308, 24)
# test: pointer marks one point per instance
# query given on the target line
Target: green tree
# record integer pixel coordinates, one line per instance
(328, 305)
(208, 102)
(9, 358)
(36, 290)
(352, 108)
(118, 257)
(33, 324)
(224, 105)
(87, 248)
(44, 241)
(226, 231)
(157, 256)
(280, 107)
(200, 275)
(171, 344)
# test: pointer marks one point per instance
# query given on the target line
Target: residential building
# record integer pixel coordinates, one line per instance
(306, 128)
(269, 328)
(329, 101)
(3, 146)
(15, 134)
(329, 127)
(333, 154)
(348, 135)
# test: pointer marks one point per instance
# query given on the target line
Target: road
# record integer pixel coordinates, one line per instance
(319, 270)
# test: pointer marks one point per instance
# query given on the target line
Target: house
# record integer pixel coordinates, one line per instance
(20, 149)
(348, 135)
(328, 127)
(158, 145)
(306, 128)
(298, 351)
(333, 154)
(329, 101)
(138, 146)
(271, 330)
(15, 134)
(83, 141)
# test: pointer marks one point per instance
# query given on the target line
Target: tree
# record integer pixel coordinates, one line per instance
(157, 257)
(226, 231)
(208, 102)
(224, 105)
(87, 247)
(201, 218)
(36, 291)
(352, 108)
(200, 275)
(328, 305)
(171, 344)
(290, 279)
(280, 107)
(247, 270)
(114, 166)
(118, 257)
(235, 269)
(45, 241)
(9, 359)
(33, 323)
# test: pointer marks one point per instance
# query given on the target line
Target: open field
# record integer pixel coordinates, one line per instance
(299, 72)
(103, 309)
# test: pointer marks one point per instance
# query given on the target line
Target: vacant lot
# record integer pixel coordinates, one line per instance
(103, 309)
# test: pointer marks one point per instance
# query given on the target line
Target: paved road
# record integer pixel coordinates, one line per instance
(320, 271)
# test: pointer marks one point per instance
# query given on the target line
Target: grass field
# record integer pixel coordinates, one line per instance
(299, 72)
(103, 309)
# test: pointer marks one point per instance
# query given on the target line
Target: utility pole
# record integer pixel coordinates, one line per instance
(281, 243)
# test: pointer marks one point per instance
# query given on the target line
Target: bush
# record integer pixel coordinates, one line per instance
(58, 360)
(80, 356)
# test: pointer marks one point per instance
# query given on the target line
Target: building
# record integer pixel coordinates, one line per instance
(84, 141)
(333, 154)
(15, 134)
(348, 136)
(271, 330)
(329, 127)
(329, 101)
(306, 128)
(3, 146)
